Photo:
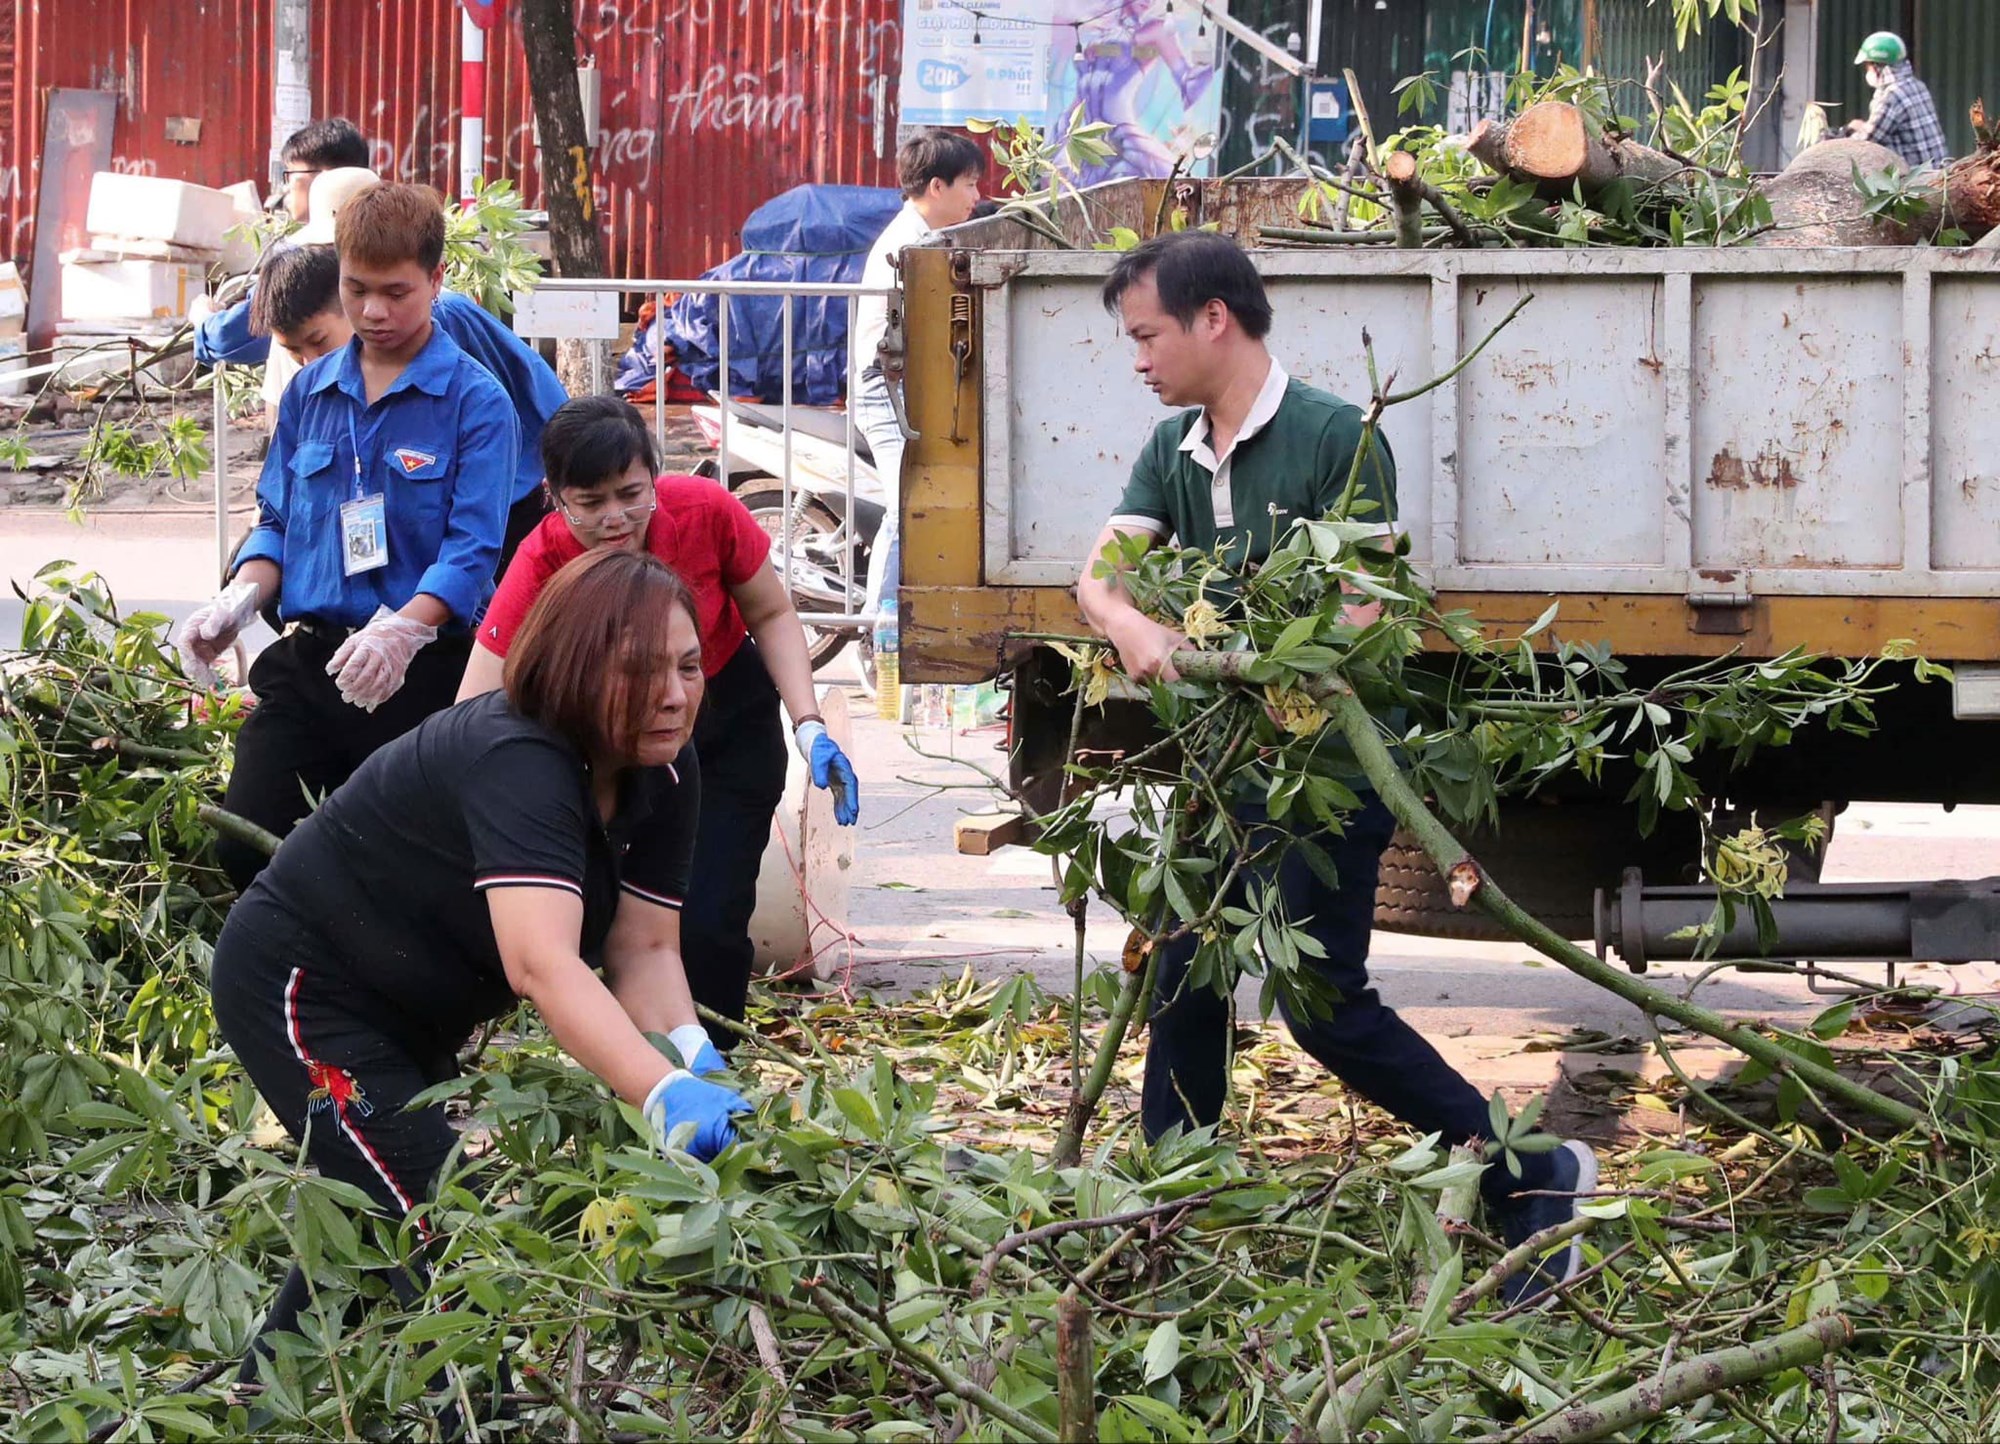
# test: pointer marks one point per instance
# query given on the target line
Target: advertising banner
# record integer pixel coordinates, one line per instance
(1145, 68)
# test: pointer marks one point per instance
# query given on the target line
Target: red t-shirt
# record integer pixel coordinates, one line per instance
(701, 531)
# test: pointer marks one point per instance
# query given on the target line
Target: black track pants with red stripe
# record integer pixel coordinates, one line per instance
(332, 1069)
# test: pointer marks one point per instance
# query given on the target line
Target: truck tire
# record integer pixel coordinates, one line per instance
(1550, 859)
(1410, 897)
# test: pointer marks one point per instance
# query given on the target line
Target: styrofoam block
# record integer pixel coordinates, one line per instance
(239, 251)
(151, 208)
(13, 352)
(129, 290)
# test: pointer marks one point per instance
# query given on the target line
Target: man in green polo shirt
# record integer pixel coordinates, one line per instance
(1255, 451)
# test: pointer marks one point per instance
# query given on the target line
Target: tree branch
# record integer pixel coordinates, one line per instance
(853, 1321)
(1470, 884)
(1691, 1379)
(239, 829)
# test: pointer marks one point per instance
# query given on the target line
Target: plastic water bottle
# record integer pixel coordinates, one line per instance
(888, 664)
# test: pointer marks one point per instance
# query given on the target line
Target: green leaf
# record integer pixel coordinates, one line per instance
(859, 1109)
(1163, 1351)
(1443, 1287)
(1297, 633)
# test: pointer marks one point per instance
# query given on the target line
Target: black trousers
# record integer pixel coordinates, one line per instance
(740, 739)
(1361, 1040)
(339, 1076)
(302, 739)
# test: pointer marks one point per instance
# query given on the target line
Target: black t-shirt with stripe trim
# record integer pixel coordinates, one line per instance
(389, 874)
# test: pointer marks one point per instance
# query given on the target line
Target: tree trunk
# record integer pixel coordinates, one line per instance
(548, 36)
(1814, 201)
(1406, 191)
(1552, 147)
(1972, 185)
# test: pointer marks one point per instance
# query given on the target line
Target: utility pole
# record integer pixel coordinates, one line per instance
(291, 77)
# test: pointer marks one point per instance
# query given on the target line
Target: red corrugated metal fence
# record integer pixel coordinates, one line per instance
(208, 59)
(709, 106)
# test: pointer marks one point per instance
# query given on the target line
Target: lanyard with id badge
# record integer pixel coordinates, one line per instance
(364, 523)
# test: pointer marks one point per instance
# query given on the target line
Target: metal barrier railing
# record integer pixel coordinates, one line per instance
(851, 615)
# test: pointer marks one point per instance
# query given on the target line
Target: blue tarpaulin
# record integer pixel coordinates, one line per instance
(810, 233)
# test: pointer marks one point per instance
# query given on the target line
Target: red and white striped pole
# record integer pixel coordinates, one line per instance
(475, 19)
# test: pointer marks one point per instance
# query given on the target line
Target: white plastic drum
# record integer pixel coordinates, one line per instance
(801, 919)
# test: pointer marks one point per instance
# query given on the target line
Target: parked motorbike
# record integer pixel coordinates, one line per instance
(825, 547)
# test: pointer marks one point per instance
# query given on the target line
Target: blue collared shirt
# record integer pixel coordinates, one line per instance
(225, 336)
(522, 374)
(526, 378)
(438, 446)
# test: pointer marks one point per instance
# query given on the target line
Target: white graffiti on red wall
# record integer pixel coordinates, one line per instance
(720, 101)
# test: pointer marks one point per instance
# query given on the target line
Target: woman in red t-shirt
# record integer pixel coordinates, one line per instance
(602, 476)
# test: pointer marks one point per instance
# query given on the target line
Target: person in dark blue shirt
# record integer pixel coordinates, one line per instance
(297, 306)
(380, 513)
(324, 145)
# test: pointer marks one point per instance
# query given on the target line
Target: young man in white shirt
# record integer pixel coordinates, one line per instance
(939, 173)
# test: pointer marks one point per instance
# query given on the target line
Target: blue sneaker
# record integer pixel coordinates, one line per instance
(1574, 1170)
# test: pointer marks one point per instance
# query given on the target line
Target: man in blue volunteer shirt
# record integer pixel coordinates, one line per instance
(298, 306)
(531, 386)
(380, 514)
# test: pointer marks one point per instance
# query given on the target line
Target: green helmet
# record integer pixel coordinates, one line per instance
(1883, 48)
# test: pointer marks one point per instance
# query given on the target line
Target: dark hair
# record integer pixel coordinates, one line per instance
(936, 155)
(386, 225)
(328, 144)
(595, 439)
(586, 660)
(295, 285)
(1190, 269)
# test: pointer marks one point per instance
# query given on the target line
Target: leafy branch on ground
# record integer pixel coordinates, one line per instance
(887, 1253)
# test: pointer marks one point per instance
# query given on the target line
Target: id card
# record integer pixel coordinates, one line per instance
(364, 535)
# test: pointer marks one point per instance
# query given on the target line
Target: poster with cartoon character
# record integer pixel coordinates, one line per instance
(1149, 71)
(1146, 69)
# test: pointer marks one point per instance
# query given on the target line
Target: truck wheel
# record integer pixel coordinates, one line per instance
(1411, 898)
(1550, 859)
(812, 523)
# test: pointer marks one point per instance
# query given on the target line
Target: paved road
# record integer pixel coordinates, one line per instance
(920, 913)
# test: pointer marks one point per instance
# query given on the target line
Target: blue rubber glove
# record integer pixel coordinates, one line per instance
(679, 1098)
(831, 770)
(697, 1050)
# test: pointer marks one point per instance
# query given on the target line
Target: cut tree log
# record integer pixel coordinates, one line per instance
(1553, 147)
(1814, 202)
(1406, 191)
(1409, 192)
(1972, 184)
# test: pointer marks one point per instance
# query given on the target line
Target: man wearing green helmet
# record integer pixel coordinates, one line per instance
(1902, 116)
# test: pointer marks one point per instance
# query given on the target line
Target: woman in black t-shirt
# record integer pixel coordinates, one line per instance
(507, 848)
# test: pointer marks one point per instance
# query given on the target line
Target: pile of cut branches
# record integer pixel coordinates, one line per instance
(896, 1250)
(1585, 160)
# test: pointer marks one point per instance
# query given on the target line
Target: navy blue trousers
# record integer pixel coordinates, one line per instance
(1359, 1038)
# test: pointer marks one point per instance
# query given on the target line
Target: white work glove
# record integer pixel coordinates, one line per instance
(698, 1051)
(369, 665)
(212, 629)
